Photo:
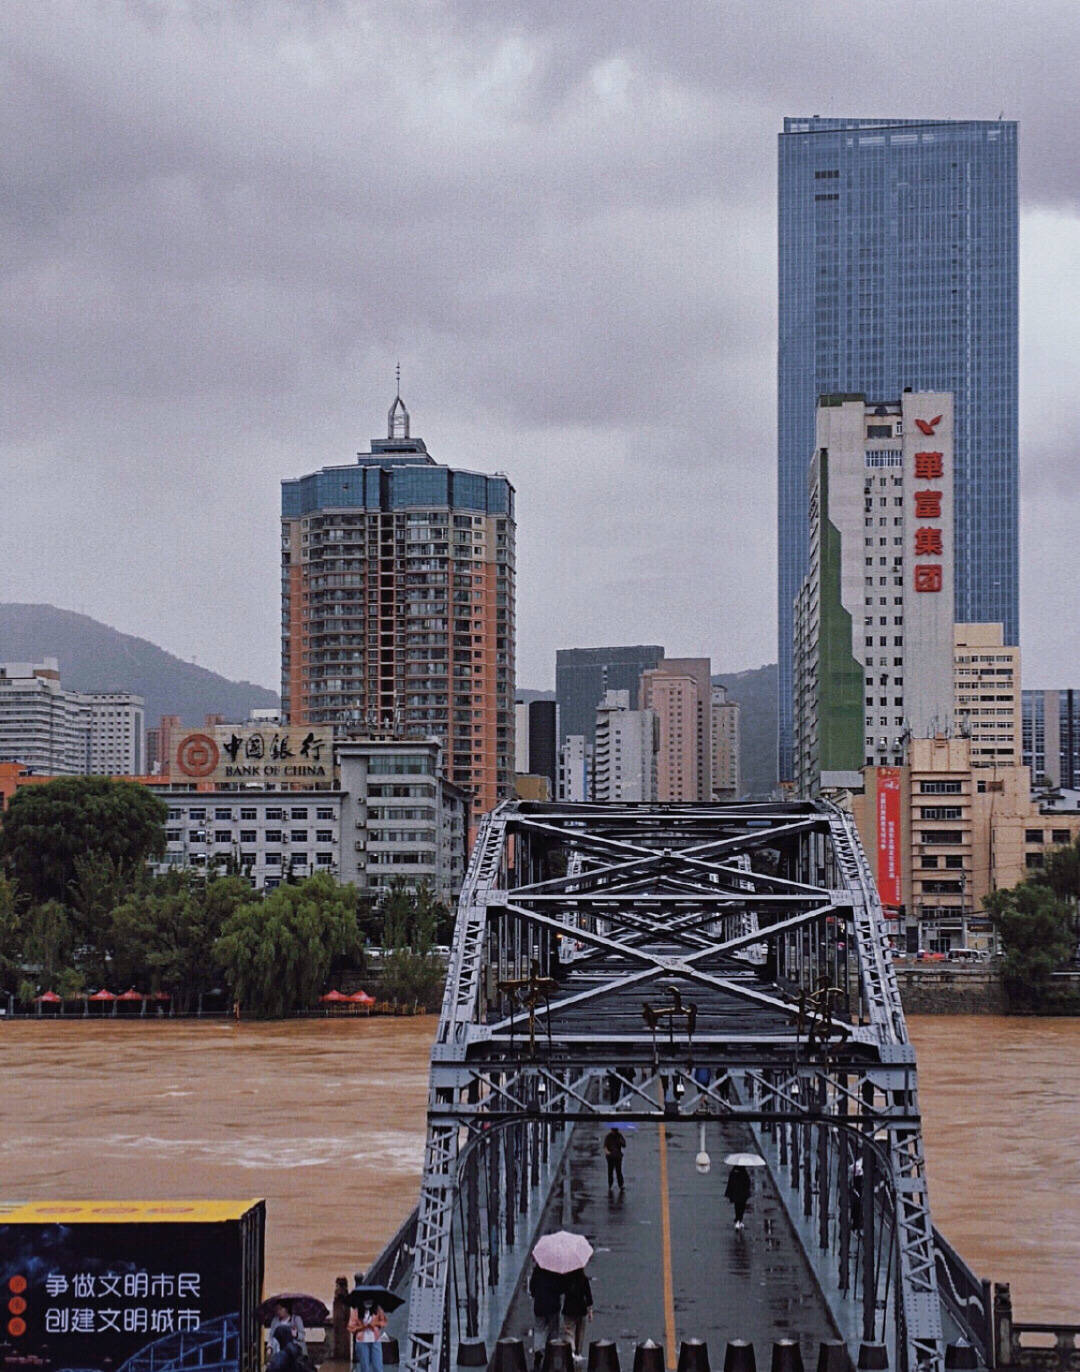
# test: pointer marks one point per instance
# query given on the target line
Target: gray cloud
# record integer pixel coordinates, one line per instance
(226, 221)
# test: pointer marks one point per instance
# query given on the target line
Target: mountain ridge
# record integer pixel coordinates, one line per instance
(96, 657)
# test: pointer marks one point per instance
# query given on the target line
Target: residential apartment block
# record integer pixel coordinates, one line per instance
(67, 733)
(726, 746)
(679, 691)
(987, 695)
(625, 753)
(397, 595)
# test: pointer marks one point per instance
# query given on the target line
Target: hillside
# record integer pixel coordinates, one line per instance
(94, 657)
(755, 690)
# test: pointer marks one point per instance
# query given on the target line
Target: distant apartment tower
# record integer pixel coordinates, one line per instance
(1051, 737)
(873, 624)
(397, 599)
(898, 267)
(625, 753)
(726, 746)
(67, 733)
(987, 695)
(583, 676)
(575, 768)
(680, 692)
(536, 740)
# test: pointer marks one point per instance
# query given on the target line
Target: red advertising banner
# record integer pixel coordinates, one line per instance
(888, 836)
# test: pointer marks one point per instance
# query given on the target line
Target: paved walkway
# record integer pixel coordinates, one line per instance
(753, 1283)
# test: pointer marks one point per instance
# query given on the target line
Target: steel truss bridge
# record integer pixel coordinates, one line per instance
(728, 962)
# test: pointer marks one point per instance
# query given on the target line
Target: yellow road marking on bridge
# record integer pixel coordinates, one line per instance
(665, 1232)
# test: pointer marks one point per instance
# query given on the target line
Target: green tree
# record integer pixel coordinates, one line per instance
(1035, 927)
(163, 936)
(410, 973)
(48, 941)
(48, 828)
(276, 952)
(11, 937)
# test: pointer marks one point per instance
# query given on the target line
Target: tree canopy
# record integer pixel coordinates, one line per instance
(49, 829)
(1035, 926)
(276, 952)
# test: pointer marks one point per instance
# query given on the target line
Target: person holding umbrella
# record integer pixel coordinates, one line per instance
(285, 1316)
(739, 1185)
(560, 1259)
(577, 1307)
(367, 1322)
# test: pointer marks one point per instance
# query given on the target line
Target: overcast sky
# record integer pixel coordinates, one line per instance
(226, 222)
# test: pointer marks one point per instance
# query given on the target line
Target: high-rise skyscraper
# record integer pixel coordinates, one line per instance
(1051, 737)
(898, 268)
(397, 606)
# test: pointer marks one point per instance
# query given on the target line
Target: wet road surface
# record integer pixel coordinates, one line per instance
(752, 1283)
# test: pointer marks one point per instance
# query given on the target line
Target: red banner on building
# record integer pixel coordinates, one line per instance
(888, 836)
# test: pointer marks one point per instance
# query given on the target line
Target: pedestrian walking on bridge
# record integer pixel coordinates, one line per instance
(546, 1289)
(577, 1307)
(738, 1192)
(614, 1144)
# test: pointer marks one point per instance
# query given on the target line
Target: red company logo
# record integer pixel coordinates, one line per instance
(197, 755)
(927, 426)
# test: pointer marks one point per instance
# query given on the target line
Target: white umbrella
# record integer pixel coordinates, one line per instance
(744, 1160)
(562, 1252)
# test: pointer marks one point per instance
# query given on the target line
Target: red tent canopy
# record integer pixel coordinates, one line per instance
(131, 994)
(361, 998)
(102, 995)
(49, 997)
(333, 996)
(159, 995)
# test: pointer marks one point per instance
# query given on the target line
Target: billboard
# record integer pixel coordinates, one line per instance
(97, 1284)
(261, 754)
(889, 862)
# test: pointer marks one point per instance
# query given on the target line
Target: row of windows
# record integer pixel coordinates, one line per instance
(251, 812)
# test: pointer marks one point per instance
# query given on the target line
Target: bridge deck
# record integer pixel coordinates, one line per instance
(753, 1284)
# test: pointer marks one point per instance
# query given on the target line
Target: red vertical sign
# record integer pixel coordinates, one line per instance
(888, 836)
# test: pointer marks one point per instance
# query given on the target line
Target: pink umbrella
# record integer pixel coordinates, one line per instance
(562, 1252)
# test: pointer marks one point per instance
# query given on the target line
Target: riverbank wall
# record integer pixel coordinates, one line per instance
(941, 989)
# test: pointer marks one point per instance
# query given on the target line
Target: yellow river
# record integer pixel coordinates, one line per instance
(325, 1118)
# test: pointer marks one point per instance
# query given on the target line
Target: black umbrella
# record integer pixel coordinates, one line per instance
(377, 1295)
(310, 1309)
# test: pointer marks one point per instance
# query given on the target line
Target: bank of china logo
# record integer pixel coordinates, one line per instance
(197, 755)
(927, 426)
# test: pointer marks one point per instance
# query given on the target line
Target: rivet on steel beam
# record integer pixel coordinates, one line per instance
(509, 1356)
(694, 1356)
(603, 1356)
(649, 1357)
(470, 1353)
(787, 1356)
(961, 1355)
(873, 1357)
(739, 1356)
(558, 1356)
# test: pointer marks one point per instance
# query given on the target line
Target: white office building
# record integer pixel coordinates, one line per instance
(624, 755)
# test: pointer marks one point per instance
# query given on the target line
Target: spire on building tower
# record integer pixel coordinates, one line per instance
(397, 423)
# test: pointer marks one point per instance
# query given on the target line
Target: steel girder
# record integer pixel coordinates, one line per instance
(763, 918)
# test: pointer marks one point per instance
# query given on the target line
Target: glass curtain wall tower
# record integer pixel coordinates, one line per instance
(898, 268)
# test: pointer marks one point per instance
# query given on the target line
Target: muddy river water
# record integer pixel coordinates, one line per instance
(325, 1119)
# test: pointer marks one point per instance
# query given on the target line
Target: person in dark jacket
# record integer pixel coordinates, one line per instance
(546, 1289)
(738, 1192)
(289, 1351)
(614, 1143)
(577, 1306)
